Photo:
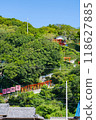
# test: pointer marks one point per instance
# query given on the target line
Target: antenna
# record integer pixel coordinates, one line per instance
(27, 25)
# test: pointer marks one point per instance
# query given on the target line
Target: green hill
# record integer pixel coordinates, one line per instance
(25, 57)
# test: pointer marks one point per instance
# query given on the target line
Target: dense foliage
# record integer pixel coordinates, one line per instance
(25, 57)
(74, 46)
(51, 102)
(24, 64)
(73, 79)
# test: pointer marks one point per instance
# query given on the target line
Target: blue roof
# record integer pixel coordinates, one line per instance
(78, 110)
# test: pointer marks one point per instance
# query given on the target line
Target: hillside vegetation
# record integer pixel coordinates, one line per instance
(25, 57)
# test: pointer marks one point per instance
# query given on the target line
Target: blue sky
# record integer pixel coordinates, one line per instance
(42, 12)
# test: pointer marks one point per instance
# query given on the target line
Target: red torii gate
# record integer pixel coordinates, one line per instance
(35, 86)
(67, 58)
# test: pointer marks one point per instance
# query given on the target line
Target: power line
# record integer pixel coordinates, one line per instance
(11, 79)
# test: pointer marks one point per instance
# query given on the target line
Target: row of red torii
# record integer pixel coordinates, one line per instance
(67, 58)
(35, 86)
(25, 88)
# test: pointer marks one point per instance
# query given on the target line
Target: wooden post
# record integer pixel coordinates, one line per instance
(21, 89)
(25, 88)
(28, 87)
(47, 83)
(31, 87)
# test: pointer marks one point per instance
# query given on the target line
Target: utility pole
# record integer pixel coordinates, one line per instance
(27, 25)
(66, 97)
(66, 103)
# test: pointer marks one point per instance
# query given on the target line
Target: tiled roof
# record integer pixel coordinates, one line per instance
(59, 37)
(21, 112)
(38, 116)
(60, 118)
(4, 109)
(18, 112)
(62, 37)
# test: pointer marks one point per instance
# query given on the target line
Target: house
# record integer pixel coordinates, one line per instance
(61, 40)
(18, 113)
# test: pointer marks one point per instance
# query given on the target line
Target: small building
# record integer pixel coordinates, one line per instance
(77, 115)
(61, 40)
(18, 113)
(43, 78)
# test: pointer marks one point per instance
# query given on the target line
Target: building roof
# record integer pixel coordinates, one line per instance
(18, 112)
(38, 116)
(59, 37)
(4, 109)
(78, 110)
(21, 112)
(60, 118)
(62, 37)
(48, 75)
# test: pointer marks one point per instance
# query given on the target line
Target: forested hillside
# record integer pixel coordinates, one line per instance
(25, 57)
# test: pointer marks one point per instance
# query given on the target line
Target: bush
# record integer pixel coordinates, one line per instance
(2, 99)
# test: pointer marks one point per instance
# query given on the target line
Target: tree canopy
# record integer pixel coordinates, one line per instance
(25, 57)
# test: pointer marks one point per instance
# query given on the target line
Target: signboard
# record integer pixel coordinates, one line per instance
(8, 90)
(18, 87)
(12, 89)
(4, 91)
